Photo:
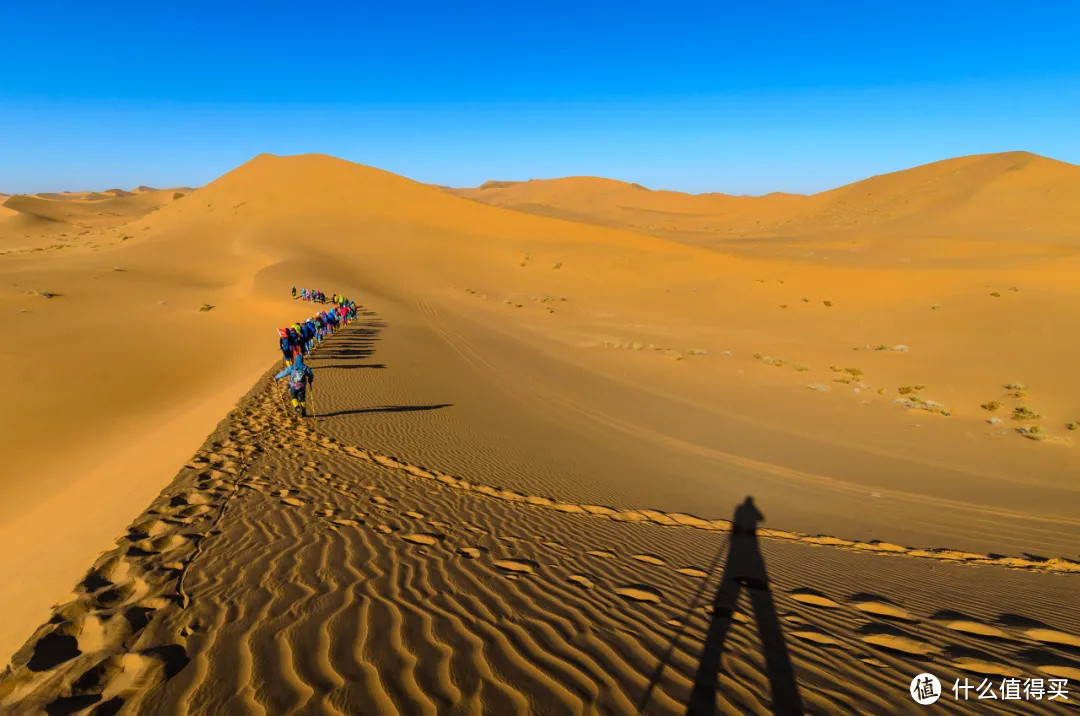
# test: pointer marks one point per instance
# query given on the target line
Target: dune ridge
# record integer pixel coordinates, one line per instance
(1008, 197)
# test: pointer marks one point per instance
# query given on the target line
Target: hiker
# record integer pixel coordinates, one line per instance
(299, 377)
(294, 292)
(285, 343)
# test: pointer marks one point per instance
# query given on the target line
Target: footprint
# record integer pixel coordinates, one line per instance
(648, 559)
(966, 625)
(582, 580)
(53, 649)
(693, 572)
(815, 635)
(639, 593)
(525, 566)
(1053, 636)
(428, 538)
(347, 522)
(601, 553)
(880, 606)
(470, 552)
(894, 639)
(415, 515)
(813, 597)
(1039, 631)
(979, 662)
(294, 502)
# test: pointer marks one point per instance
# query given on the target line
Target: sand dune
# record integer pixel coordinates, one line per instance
(47, 222)
(369, 583)
(529, 454)
(980, 200)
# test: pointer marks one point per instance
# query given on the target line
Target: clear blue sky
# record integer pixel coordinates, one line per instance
(743, 97)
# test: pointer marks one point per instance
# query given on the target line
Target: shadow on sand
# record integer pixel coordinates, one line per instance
(388, 409)
(744, 569)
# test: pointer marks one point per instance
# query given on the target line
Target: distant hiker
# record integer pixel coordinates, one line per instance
(299, 377)
(294, 292)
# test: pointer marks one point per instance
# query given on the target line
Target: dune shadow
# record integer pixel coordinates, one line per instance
(744, 569)
(387, 409)
(343, 366)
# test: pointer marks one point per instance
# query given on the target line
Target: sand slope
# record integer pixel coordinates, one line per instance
(551, 371)
(285, 569)
(1009, 197)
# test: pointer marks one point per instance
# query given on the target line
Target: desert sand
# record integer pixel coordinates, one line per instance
(519, 492)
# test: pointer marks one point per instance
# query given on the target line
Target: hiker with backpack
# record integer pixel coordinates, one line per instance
(299, 376)
(285, 343)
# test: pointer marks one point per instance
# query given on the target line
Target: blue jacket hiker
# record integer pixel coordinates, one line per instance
(299, 375)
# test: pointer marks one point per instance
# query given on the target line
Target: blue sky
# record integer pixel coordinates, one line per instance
(717, 96)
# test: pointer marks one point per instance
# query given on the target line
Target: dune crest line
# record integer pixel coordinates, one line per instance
(1057, 565)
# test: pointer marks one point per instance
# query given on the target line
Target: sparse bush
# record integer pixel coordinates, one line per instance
(995, 294)
(828, 304)
(991, 405)
(850, 374)
(206, 307)
(1024, 413)
(1033, 432)
(910, 389)
(1017, 390)
(1074, 425)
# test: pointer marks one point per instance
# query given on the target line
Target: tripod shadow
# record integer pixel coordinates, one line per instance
(745, 569)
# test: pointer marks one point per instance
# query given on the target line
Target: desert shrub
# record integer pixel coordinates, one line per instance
(1024, 413)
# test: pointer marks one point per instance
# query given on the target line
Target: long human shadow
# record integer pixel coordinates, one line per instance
(356, 343)
(745, 569)
(388, 409)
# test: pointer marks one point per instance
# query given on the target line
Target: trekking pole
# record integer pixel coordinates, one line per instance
(314, 414)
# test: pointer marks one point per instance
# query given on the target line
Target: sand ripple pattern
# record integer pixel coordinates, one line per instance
(285, 572)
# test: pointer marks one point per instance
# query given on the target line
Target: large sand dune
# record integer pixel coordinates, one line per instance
(972, 202)
(540, 425)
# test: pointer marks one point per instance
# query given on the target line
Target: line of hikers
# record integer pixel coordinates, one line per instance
(310, 294)
(302, 337)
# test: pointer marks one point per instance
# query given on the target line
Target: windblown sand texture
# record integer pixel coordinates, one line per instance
(517, 495)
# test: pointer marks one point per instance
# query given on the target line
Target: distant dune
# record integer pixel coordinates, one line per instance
(1013, 196)
(520, 489)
